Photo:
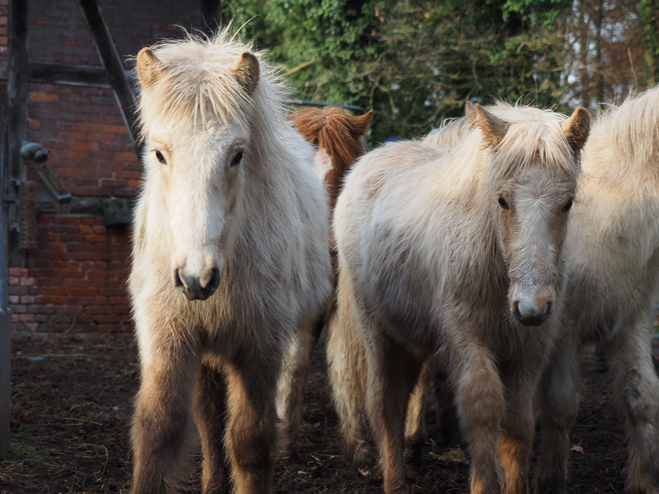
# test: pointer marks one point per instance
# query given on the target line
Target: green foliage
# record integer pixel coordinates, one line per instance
(648, 11)
(321, 44)
(415, 62)
(440, 56)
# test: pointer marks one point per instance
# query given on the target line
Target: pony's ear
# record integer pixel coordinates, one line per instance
(149, 69)
(360, 124)
(492, 127)
(246, 70)
(470, 113)
(576, 128)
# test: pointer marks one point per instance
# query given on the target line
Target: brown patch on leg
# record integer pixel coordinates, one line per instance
(516, 438)
(162, 426)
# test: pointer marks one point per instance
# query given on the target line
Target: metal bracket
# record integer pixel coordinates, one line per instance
(116, 211)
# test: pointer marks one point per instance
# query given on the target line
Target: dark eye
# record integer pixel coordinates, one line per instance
(568, 205)
(237, 158)
(503, 203)
(161, 158)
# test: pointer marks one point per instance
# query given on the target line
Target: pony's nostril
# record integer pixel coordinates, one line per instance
(549, 309)
(214, 281)
(516, 311)
(178, 281)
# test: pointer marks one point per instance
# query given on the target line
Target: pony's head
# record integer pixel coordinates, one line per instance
(197, 100)
(338, 138)
(532, 176)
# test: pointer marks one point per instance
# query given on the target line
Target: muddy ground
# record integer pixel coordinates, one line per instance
(72, 402)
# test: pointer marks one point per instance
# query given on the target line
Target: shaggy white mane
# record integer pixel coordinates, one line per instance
(534, 136)
(197, 88)
(630, 132)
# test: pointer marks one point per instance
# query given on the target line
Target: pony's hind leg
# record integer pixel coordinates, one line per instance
(211, 417)
(251, 429)
(416, 433)
(290, 393)
(557, 404)
(392, 372)
(162, 424)
(636, 386)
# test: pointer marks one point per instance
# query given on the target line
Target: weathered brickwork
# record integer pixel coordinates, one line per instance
(78, 280)
(75, 281)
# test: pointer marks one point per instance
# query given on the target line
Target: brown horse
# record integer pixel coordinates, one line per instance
(230, 259)
(339, 140)
(457, 256)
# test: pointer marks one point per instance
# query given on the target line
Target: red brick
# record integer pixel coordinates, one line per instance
(43, 97)
(95, 239)
(84, 146)
(127, 156)
(86, 127)
(115, 129)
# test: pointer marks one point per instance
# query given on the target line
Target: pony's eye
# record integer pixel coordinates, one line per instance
(568, 205)
(161, 158)
(503, 203)
(237, 158)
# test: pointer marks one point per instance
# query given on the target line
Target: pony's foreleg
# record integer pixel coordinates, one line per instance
(162, 425)
(517, 430)
(392, 372)
(636, 387)
(290, 393)
(447, 415)
(416, 433)
(211, 418)
(251, 429)
(480, 403)
(557, 403)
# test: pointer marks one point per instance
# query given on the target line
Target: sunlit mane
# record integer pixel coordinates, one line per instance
(449, 133)
(198, 89)
(534, 137)
(630, 132)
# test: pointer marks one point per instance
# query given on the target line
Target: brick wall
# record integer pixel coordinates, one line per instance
(75, 280)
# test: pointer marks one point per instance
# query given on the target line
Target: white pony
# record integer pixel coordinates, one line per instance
(612, 253)
(230, 258)
(458, 255)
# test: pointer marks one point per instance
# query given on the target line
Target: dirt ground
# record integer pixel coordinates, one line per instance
(72, 401)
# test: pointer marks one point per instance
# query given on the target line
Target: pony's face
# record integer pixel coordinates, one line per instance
(200, 181)
(532, 214)
(196, 170)
(532, 206)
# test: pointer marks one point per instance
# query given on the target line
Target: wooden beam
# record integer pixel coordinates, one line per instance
(17, 93)
(69, 75)
(14, 174)
(114, 66)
